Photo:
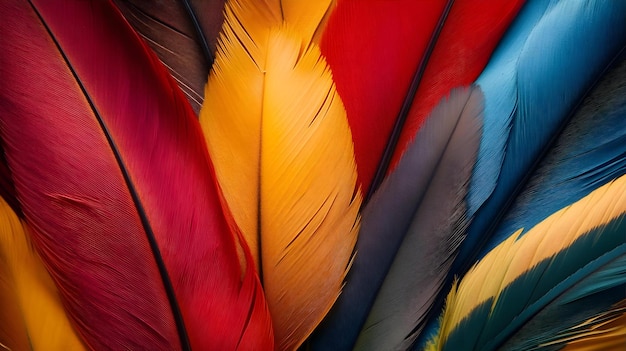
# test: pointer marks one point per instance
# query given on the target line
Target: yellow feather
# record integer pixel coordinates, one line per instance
(606, 331)
(278, 136)
(516, 255)
(610, 334)
(32, 317)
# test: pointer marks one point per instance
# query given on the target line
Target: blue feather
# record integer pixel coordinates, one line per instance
(555, 60)
(590, 152)
(549, 58)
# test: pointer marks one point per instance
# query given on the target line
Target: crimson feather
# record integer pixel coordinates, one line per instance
(111, 170)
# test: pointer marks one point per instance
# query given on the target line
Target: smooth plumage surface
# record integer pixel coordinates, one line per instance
(117, 232)
(277, 132)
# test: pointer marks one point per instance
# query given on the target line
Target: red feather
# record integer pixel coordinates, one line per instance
(373, 67)
(372, 82)
(108, 159)
(468, 37)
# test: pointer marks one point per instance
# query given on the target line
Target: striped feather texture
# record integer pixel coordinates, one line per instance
(575, 255)
(111, 170)
(277, 132)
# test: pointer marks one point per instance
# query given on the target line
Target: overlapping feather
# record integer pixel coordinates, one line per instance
(410, 232)
(277, 133)
(550, 57)
(569, 264)
(400, 48)
(183, 34)
(112, 174)
(31, 314)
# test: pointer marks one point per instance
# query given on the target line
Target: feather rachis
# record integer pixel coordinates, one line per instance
(116, 137)
(271, 109)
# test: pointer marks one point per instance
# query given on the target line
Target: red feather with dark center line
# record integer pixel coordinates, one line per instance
(111, 171)
(375, 83)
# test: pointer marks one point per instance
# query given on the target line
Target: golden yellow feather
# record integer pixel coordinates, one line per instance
(278, 136)
(31, 314)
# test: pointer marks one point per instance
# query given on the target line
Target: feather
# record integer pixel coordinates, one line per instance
(470, 34)
(111, 170)
(552, 54)
(360, 68)
(31, 314)
(277, 133)
(183, 34)
(607, 332)
(417, 209)
(570, 263)
(392, 51)
(589, 153)
(535, 79)
(7, 188)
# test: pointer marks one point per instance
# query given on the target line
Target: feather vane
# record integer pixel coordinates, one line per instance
(525, 273)
(31, 314)
(277, 133)
(124, 212)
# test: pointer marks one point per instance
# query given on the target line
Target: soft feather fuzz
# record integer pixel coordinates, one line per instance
(31, 314)
(277, 133)
(523, 275)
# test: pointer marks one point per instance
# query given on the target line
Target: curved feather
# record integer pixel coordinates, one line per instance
(111, 169)
(571, 261)
(590, 152)
(277, 132)
(183, 34)
(383, 52)
(533, 82)
(352, 42)
(410, 231)
(469, 36)
(31, 314)
(552, 54)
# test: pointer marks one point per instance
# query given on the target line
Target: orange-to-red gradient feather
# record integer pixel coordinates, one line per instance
(112, 173)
